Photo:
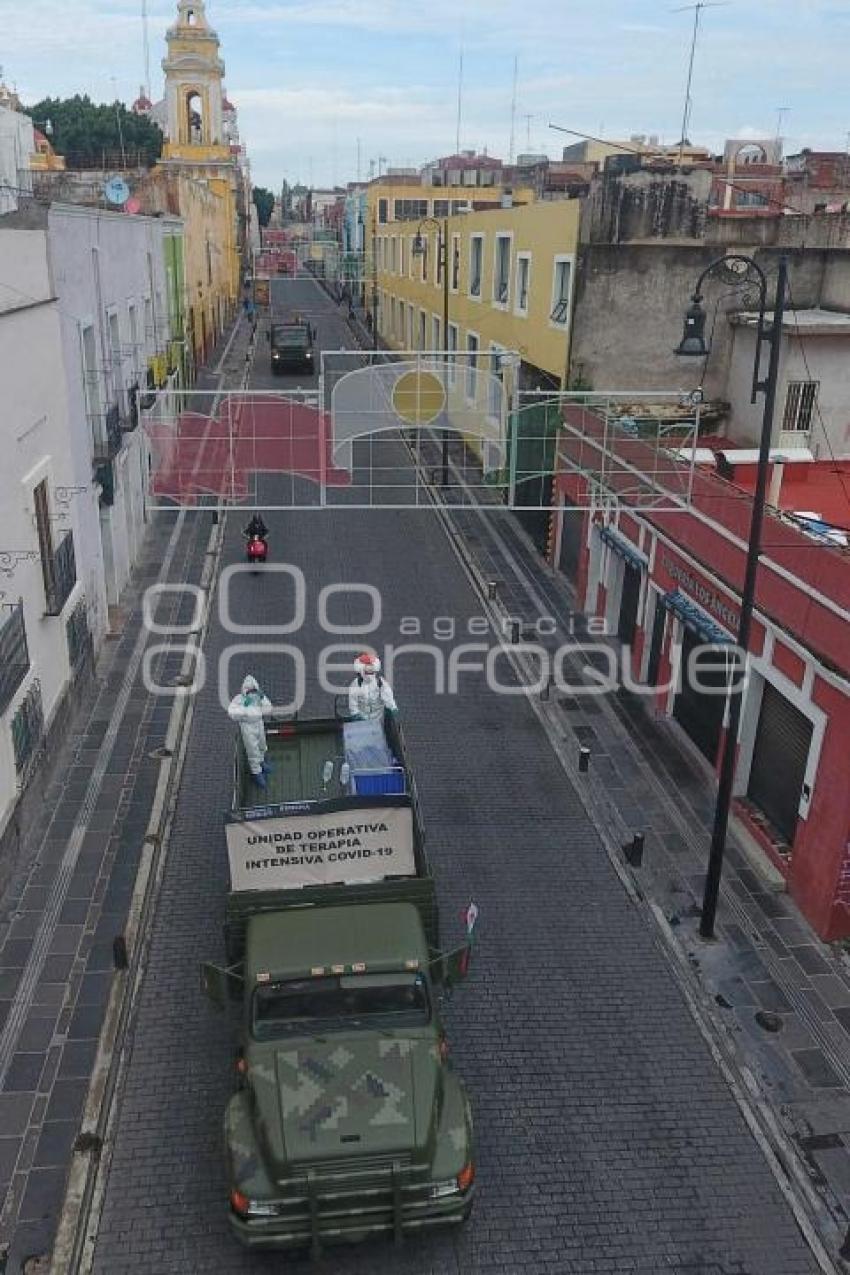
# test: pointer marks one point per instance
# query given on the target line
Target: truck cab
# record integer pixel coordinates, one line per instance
(349, 1120)
(291, 346)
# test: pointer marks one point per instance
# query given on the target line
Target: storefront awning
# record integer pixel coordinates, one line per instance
(624, 548)
(694, 618)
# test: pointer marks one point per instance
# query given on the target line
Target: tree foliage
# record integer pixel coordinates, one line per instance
(264, 199)
(87, 133)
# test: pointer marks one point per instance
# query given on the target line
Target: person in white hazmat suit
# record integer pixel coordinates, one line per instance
(369, 694)
(248, 708)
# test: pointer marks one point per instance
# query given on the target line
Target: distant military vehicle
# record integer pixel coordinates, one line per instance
(348, 1120)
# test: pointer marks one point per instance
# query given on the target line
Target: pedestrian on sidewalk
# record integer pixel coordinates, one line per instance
(248, 709)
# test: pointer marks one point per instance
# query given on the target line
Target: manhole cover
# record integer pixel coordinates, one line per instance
(768, 1021)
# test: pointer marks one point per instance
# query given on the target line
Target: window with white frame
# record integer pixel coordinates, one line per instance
(91, 383)
(523, 279)
(394, 254)
(424, 258)
(383, 211)
(494, 382)
(451, 352)
(800, 400)
(401, 240)
(410, 326)
(502, 270)
(455, 279)
(435, 333)
(134, 337)
(423, 328)
(560, 312)
(412, 258)
(476, 261)
(472, 344)
(115, 357)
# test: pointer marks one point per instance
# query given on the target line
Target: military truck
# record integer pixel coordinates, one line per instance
(348, 1120)
(291, 346)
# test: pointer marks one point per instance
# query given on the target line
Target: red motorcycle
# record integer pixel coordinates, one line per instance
(257, 550)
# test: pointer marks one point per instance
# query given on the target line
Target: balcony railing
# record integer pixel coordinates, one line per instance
(14, 654)
(79, 636)
(61, 575)
(108, 437)
(28, 731)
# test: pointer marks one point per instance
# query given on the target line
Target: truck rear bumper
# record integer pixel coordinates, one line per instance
(350, 1226)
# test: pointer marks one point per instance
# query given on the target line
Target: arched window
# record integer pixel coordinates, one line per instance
(751, 153)
(195, 125)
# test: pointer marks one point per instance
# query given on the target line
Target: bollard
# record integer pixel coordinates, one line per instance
(492, 589)
(547, 690)
(634, 852)
(515, 632)
(583, 760)
(119, 952)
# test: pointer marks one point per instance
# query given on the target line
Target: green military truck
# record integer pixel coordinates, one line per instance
(291, 346)
(348, 1120)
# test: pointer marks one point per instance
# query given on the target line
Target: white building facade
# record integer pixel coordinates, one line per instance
(44, 634)
(109, 273)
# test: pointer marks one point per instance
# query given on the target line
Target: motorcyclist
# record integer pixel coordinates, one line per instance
(256, 528)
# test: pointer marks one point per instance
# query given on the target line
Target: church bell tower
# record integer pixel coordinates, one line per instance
(194, 95)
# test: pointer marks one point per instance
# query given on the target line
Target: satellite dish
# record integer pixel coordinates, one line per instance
(116, 191)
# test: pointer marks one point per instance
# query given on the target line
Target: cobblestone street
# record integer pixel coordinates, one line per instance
(608, 1140)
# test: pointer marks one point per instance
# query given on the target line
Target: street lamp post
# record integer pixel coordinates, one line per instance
(742, 270)
(443, 261)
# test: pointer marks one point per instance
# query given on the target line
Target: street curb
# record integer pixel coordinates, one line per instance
(76, 1235)
(778, 1149)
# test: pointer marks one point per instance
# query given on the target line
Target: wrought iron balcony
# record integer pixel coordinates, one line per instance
(14, 653)
(60, 575)
(109, 437)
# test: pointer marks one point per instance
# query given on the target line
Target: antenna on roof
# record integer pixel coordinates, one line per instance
(459, 99)
(147, 49)
(697, 9)
(513, 114)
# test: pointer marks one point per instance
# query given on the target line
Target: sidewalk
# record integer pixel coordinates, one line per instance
(777, 994)
(68, 899)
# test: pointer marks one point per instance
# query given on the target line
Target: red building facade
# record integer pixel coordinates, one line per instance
(667, 582)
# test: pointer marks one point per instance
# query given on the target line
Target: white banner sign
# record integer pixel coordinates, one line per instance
(286, 853)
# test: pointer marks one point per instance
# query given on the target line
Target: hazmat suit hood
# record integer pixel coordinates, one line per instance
(250, 684)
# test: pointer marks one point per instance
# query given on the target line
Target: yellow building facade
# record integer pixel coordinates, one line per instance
(197, 154)
(511, 275)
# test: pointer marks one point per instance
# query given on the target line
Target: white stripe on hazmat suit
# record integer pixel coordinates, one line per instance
(248, 708)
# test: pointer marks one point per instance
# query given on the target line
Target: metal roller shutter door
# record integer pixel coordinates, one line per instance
(780, 757)
(572, 536)
(701, 714)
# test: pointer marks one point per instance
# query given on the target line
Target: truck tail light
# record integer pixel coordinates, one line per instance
(239, 1202)
(466, 1177)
